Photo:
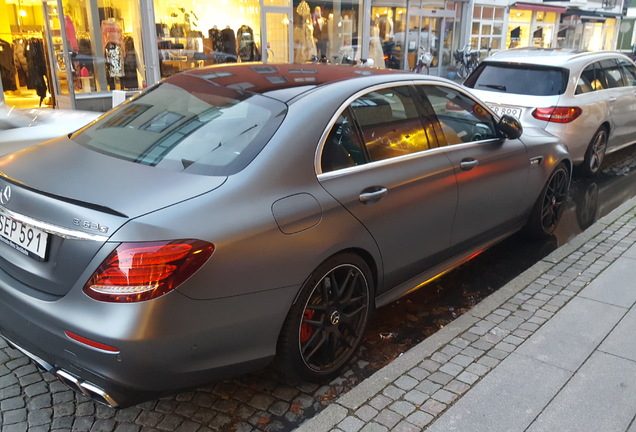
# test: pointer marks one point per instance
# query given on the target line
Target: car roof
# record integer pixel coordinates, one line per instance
(550, 56)
(281, 81)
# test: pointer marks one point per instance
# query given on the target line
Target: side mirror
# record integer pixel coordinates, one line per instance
(510, 127)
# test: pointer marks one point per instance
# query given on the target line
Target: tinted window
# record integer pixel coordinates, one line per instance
(629, 72)
(588, 81)
(390, 123)
(343, 147)
(462, 119)
(612, 72)
(519, 79)
(187, 124)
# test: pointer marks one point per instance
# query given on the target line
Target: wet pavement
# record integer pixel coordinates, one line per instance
(32, 400)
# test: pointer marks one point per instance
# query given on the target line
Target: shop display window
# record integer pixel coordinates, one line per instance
(103, 45)
(389, 40)
(195, 34)
(24, 74)
(326, 31)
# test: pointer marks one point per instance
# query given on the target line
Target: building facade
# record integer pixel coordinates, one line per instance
(79, 54)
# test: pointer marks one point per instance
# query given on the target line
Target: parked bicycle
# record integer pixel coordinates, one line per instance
(424, 60)
(466, 61)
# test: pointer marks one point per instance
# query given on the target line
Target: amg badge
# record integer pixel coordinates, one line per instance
(93, 226)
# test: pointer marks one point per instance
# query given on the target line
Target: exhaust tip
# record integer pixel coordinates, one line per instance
(86, 388)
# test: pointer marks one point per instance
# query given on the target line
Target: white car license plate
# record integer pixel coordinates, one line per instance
(500, 110)
(24, 238)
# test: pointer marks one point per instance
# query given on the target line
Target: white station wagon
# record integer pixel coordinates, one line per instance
(588, 99)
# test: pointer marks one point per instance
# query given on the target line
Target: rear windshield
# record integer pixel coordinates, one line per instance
(519, 79)
(187, 124)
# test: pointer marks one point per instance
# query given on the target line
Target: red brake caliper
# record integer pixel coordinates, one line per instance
(306, 330)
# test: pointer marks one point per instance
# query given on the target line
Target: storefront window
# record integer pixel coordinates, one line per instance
(198, 33)
(519, 28)
(327, 31)
(387, 37)
(25, 76)
(104, 45)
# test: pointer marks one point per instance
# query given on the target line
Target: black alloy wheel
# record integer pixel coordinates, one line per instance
(550, 205)
(595, 154)
(325, 326)
(553, 199)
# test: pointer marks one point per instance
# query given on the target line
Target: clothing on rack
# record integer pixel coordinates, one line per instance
(36, 62)
(229, 41)
(247, 49)
(20, 61)
(112, 33)
(7, 67)
(217, 40)
(115, 60)
(71, 34)
(130, 81)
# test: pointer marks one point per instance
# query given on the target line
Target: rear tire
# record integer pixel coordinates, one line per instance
(595, 154)
(549, 206)
(325, 325)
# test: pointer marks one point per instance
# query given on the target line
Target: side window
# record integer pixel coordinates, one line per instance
(629, 72)
(586, 80)
(390, 123)
(343, 147)
(592, 79)
(461, 118)
(612, 72)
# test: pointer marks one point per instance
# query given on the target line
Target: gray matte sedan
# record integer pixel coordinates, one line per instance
(235, 214)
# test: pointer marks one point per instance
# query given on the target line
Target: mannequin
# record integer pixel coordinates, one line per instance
(321, 35)
(304, 44)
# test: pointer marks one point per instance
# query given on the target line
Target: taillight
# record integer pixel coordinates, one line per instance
(137, 272)
(557, 114)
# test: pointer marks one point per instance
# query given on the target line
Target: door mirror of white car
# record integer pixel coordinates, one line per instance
(510, 127)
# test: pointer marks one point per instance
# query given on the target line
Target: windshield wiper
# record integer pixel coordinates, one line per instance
(493, 86)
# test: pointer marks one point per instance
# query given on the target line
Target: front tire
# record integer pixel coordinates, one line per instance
(325, 325)
(595, 154)
(549, 207)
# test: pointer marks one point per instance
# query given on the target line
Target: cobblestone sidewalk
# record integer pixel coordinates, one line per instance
(418, 387)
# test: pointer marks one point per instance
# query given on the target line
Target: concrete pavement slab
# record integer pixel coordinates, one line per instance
(630, 253)
(600, 397)
(568, 339)
(622, 340)
(507, 399)
(615, 285)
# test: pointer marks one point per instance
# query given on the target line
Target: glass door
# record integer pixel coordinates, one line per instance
(276, 41)
(59, 55)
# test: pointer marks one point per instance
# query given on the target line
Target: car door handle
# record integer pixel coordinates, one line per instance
(373, 195)
(612, 99)
(468, 164)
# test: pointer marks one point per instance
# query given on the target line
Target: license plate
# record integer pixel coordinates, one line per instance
(499, 110)
(23, 238)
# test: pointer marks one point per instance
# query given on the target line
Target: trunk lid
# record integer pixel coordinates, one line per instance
(75, 198)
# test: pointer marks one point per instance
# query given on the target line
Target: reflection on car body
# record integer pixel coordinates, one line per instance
(256, 212)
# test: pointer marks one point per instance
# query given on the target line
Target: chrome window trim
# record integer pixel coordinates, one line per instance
(375, 164)
(52, 229)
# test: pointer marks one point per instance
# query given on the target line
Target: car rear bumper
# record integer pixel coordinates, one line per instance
(196, 342)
